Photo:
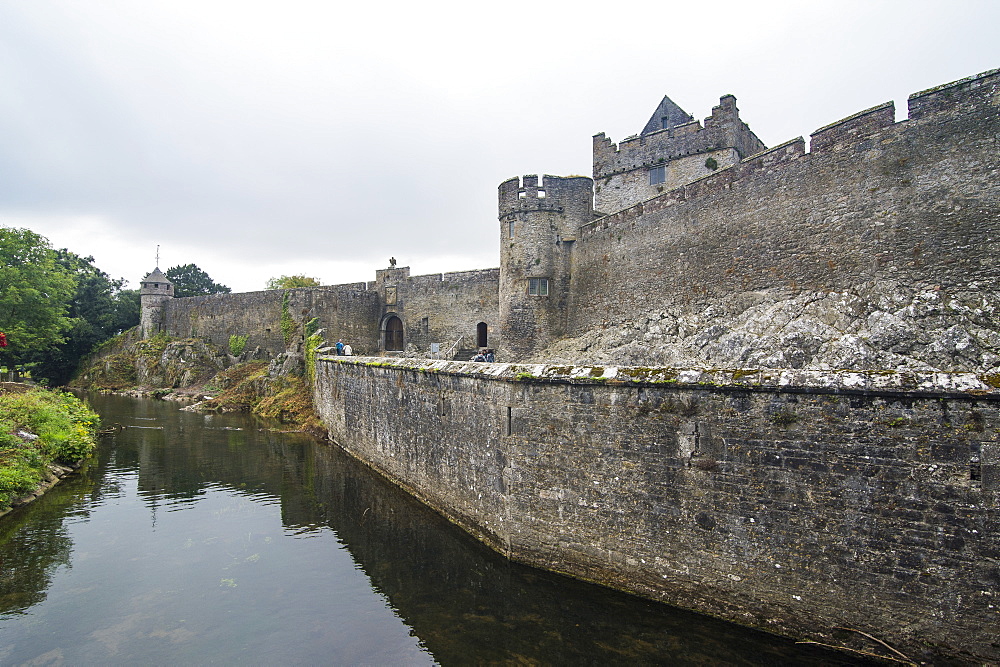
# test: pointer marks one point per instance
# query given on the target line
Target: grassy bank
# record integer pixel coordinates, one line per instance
(39, 428)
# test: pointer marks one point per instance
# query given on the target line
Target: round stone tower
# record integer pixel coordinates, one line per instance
(156, 288)
(539, 220)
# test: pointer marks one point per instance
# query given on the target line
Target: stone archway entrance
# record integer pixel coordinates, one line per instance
(393, 334)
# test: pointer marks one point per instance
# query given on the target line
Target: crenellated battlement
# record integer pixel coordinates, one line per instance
(963, 95)
(850, 130)
(723, 179)
(679, 152)
(852, 135)
(723, 129)
(556, 194)
(434, 280)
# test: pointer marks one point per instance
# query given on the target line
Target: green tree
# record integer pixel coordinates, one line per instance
(189, 280)
(35, 291)
(100, 308)
(289, 282)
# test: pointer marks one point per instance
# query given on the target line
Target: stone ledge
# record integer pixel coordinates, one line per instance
(760, 379)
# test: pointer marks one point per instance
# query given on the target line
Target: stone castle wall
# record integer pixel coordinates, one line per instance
(347, 311)
(795, 502)
(446, 308)
(437, 308)
(877, 249)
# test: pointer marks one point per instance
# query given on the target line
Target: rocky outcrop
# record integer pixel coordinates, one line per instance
(878, 326)
(158, 363)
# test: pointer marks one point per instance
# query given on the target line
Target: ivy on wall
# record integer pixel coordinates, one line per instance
(287, 323)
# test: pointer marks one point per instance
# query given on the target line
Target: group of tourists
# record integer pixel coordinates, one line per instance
(344, 349)
(485, 354)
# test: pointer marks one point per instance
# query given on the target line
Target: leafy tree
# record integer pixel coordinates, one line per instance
(289, 282)
(100, 308)
(35, 290)
(189, 280)
(126, 310)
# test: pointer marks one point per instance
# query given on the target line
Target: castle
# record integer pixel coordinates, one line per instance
(694, 245)
(778, 391)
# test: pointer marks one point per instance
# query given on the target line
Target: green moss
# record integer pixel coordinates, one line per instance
(596, 371)
(650, 375)
(784, 418)
(742, 373)
(991, 379)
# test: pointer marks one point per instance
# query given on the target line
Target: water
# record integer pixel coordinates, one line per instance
(197, 539)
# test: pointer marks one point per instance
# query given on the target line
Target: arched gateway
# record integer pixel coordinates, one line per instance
(393, 334)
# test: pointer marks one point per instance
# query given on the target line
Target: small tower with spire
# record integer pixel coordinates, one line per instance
(156, 289)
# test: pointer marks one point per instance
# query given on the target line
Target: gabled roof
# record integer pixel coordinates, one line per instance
(667, 115)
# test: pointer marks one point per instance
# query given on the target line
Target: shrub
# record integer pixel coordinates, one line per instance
(37, 428)
(237, 344)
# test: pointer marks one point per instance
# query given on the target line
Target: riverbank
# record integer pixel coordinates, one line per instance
(53, 475)
(44, 436)
(206, 378)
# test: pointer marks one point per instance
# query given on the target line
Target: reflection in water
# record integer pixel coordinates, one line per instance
(204, 539)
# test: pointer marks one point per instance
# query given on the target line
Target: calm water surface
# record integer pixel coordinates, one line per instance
(196, 539)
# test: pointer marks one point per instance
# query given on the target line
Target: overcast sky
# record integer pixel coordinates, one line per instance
(257, 139)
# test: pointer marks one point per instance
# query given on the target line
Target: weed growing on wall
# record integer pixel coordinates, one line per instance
(237, 344)
(311, 327)
(314, 341)
(287, 323)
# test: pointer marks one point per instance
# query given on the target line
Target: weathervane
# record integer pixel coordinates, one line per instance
(157, 255)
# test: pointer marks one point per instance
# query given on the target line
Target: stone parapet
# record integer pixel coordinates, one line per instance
(793, 501)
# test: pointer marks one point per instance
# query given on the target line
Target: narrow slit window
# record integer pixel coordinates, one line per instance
(510, 229)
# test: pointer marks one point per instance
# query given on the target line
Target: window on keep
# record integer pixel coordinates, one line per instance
(658, 175)
(538, 286)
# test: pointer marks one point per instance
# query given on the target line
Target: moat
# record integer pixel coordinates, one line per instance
(204, 539)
